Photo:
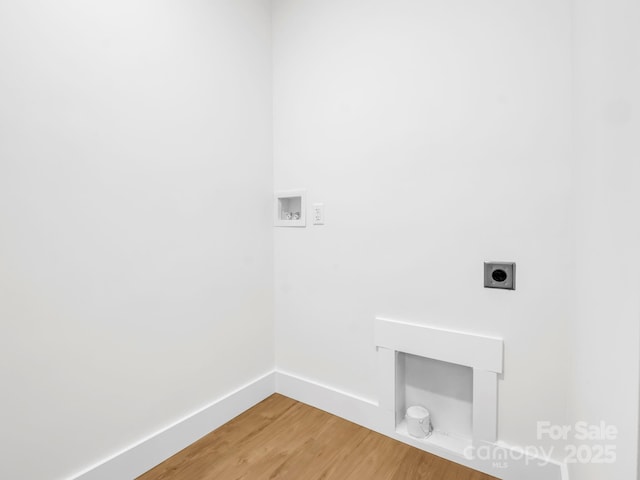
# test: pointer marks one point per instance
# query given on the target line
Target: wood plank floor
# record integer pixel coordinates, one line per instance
(287, 440)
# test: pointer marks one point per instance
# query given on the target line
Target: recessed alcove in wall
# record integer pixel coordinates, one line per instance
(445, 389)
(290, 209)
(453, 374)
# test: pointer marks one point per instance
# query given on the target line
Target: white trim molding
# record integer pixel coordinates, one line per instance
(135, 460)
(462, 348)
(514, 463)
(149, 452)
(483, 354)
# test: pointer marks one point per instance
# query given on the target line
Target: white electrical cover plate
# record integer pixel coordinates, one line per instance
(318, 214)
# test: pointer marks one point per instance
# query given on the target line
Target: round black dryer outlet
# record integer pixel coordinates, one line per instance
(499, 275)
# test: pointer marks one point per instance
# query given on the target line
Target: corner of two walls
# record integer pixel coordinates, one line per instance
(436, 134)
(605, 330)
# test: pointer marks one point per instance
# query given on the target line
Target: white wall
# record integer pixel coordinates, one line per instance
(135, 183)
(438, 134)
(605, 331)
(135, 231)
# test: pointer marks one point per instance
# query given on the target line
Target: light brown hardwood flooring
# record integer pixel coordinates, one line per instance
(283, 439)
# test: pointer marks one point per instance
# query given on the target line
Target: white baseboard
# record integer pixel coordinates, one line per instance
(144, 455)
(137, 459)
(504, 462)
(342, 404)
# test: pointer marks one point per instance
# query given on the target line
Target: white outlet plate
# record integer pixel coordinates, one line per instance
(317, 214)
